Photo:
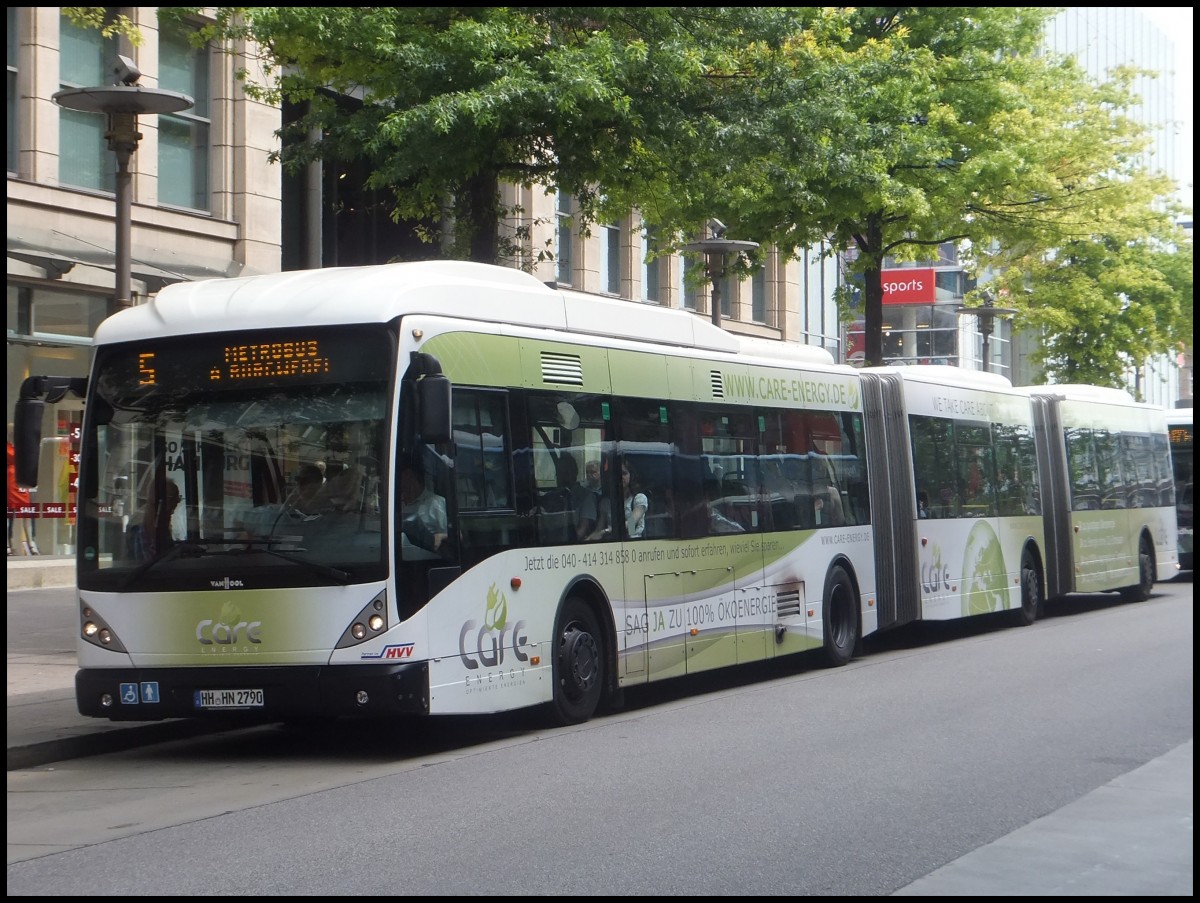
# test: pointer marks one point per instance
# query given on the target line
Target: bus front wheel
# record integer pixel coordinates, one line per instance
(840, 618)
(1145, 585)
(578, 663)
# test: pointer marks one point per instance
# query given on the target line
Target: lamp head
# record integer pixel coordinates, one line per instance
(126, 71)
(716, 227)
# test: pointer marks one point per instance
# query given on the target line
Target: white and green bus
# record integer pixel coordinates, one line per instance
(1108, 488)
(446, 488)
(479, 590)
(954, 476)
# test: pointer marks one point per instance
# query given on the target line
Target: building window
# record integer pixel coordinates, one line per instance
(727, 286)
(758, 296)
(610, 259)
(12, 89)
(690, 285)
(183, 138)
(51, 316)
(563, 238)
(651, 270)
(86, 59)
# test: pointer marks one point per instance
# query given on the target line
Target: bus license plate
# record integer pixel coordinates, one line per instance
(229, 699)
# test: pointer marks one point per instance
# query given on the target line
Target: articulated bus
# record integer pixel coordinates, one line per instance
(1179, 425)
(446, 488)
(1110, 497)
(955, 493)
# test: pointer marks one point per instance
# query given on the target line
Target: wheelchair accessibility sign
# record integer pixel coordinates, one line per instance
(146, 691)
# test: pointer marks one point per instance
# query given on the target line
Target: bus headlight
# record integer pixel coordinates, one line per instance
(368, 623)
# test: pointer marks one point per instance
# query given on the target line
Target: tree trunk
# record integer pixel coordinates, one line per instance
(873, 292)
(478, 211)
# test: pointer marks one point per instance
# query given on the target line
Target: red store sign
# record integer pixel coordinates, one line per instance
(908, 286)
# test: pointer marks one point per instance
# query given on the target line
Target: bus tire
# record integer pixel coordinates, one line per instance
(1031, 591)
(840, 618)
(1141, 591)
(578, 663)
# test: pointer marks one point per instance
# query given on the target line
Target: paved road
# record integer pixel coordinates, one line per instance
(1132, 836)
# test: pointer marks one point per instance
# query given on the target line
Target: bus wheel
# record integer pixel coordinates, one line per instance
(578, 663)
(841, 618)
(1145, 584)
(1031, 591)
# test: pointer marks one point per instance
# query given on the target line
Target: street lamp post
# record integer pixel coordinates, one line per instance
(122, 104)
(715, 249)
(986, 313)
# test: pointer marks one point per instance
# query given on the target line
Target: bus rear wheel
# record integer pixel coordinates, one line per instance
(578, 663)
(1141, 592)
(840, 618)
(1031, 591)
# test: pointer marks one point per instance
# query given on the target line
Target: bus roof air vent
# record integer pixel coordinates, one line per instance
(562, 369)
(718, 384)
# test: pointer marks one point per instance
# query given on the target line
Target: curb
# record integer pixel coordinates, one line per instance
(40, 572)
(116, 739)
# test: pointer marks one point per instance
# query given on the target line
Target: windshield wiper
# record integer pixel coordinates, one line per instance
(198, 547)
(194, 549)
(326, 570)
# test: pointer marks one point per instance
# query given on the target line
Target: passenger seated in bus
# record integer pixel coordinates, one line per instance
(305, 501)
(153, 523)
(591, 511)
(827, 501)
(635, 505)
(424, 525)
(343, 491)
(922, 504)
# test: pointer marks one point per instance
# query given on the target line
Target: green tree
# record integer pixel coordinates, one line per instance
(1106, 306)
(449, 102)
(884, 130)
(915, 126)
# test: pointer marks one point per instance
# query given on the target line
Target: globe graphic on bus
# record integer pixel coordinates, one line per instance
(984, 582)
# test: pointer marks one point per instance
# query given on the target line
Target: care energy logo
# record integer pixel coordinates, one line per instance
(229, 632)
(493, 644)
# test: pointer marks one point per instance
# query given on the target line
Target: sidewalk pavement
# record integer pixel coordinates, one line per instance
(1131, 837)
(44, 726)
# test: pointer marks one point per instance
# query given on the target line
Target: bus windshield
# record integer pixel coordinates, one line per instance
(249, 458)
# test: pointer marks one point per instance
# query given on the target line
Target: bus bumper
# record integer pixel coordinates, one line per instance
(259, 693)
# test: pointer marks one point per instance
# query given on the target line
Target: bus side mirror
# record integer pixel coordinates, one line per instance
(433, 400)
(27, 439)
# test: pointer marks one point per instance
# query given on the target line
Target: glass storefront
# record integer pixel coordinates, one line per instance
(912, 334)
(49, 334)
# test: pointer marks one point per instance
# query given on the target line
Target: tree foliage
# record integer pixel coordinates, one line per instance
(883, 130)
(1105, 306)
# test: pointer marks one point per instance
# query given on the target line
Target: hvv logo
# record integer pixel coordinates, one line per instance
(393, 652)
